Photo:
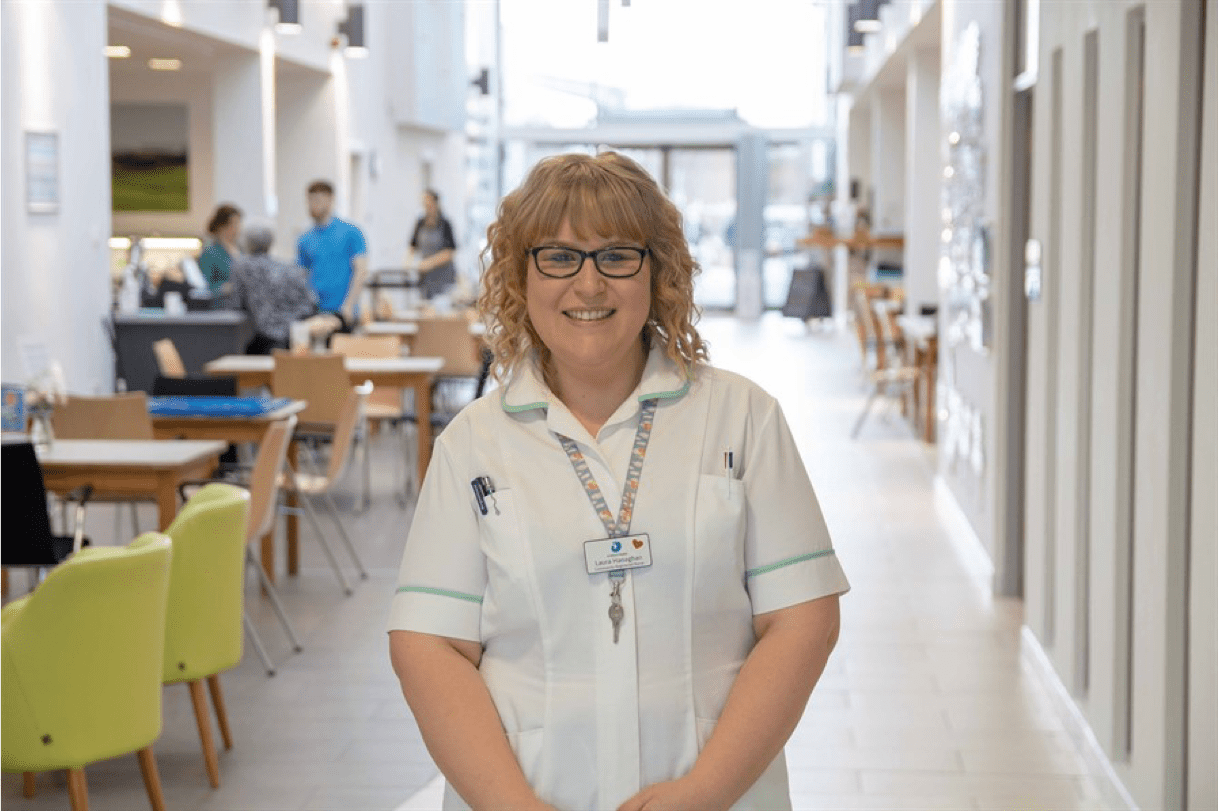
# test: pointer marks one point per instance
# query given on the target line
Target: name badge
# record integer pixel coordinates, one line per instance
(611, 554)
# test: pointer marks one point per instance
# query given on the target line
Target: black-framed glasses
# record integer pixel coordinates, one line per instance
(616, 262)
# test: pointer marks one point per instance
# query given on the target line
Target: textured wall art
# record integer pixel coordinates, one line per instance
(964, 260)
(964, 257)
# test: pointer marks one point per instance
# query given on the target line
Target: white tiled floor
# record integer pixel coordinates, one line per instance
(929, 701)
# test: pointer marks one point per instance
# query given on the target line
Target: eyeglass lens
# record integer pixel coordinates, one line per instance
(613, 261)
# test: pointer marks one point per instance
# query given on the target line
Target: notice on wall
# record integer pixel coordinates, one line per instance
(42, 172)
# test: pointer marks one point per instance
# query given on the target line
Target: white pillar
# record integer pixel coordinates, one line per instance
(888, 160)
(243, 133)
(923, 167)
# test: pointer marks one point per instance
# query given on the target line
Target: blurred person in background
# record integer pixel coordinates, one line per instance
(432, 248)
(217, 257)
(271, 291)
(334, 253)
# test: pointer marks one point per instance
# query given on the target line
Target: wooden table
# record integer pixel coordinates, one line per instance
(130, 467)
(416, 373)
(237, 429)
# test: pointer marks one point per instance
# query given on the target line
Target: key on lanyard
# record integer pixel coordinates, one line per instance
(616, 612)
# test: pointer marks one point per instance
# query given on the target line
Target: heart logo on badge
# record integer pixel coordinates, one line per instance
(638, 544)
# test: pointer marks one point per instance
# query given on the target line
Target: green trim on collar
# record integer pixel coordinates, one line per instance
(456, 595)
(782, 564)
(511, 409)
(666, 395)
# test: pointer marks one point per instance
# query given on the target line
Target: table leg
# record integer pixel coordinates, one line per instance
(166, 500)
(293, 529)
(422, 410)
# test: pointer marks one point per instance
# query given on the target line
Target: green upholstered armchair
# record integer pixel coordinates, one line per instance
(83, 657)
(203, 630)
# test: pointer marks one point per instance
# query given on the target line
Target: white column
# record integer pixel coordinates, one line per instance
(923, 167)
(243, 127)
(888, 160)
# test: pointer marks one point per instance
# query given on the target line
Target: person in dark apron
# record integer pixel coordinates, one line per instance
(434, 246)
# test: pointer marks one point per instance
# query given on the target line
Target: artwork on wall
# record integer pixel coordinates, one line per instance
(149, 157)
(965, 253)
(964, 260)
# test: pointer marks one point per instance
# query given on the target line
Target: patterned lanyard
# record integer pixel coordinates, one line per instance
(621, 527)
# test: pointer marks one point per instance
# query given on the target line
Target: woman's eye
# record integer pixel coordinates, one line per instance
(559, 257)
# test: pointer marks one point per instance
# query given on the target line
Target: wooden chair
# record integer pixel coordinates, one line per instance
(308, 486)
(897, 377)
(168, 361)
(117, 416)
(384, 404)
(318, 378)
(460, 378)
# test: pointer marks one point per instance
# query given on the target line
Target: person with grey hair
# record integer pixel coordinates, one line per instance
(271, 291)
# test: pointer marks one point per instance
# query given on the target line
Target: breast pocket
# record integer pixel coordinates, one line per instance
(722, 613)
(719, 525)
(508, 606)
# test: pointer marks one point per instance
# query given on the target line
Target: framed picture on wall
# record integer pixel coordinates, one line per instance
(149, 157)
(42, 172)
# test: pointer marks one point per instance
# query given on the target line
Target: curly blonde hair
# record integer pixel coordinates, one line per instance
(609, 195)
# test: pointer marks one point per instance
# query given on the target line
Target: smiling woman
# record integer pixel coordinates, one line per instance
(559, 653)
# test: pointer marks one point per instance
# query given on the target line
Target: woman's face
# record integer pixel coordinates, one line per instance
(230, 231)
(589, 322)
(430, 206)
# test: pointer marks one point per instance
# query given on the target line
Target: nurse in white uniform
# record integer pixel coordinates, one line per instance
(618, 590)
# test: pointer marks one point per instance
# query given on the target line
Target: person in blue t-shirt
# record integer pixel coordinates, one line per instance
(334, 253)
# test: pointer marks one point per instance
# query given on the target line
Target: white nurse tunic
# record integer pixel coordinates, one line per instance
(592, 722)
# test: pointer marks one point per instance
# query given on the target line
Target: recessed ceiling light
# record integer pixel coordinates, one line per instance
(118, 51)
(165, 64)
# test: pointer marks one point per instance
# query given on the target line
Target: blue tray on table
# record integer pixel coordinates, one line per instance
(214, 406)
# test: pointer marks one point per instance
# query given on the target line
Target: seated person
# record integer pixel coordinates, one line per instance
(272, 292)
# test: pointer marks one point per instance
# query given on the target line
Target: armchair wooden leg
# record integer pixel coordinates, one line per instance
(217, 700)
(78, 790)
(152, 779)
(203, 719)
(29, 784)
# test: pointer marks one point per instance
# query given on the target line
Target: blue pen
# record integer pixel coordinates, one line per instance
(729, 465)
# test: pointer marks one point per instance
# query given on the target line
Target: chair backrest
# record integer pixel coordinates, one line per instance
(119, 416)
(344, 433)
(372, 346)
(320, 379)
(449, 337)
(25, 527)
(203, 626)
(168, 361)
(83, 656)
(264, 478)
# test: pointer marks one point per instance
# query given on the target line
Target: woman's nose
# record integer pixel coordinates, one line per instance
(588, 278)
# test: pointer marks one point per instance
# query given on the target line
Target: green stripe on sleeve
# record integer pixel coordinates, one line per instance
(782, 564)
(456, 595)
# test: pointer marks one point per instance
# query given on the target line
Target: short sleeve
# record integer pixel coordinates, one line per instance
(355, 242)
(414, 236)
(443, 573)
(449, 240)
(302, 256)
(789, 556)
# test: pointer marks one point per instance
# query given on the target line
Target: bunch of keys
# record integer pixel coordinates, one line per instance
(616, 612)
